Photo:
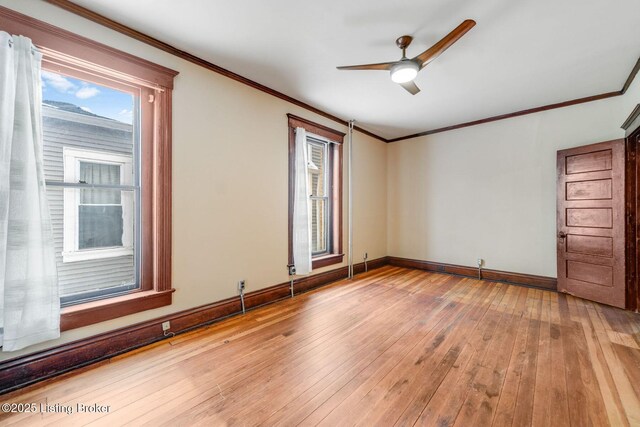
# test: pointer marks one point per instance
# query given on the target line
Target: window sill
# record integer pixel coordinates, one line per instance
(99, 311)
(74, 256)
(325, 260)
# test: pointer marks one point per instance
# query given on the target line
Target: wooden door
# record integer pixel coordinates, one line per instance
(591, 228)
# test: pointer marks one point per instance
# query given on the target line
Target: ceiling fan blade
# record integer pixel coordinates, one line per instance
(381, 66)
(410, 87)
(434, 51)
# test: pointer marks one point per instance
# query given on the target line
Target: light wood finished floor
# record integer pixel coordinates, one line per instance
(393, 347)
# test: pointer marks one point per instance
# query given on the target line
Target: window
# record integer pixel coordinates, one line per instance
(320, 201)
(99, 222)
(89, 149)
(324, 147)
(107, 159)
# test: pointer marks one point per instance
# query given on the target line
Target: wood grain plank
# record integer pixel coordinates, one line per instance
(300, 408)
(602, 401)
(542, 398)
(339, 408)
(424, 383)
(558, 396)
(620, 380)
(482, 402)
(523, 412)
(445, 405)
(508, 396)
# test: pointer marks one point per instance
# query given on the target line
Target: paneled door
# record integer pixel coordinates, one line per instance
(590, 216)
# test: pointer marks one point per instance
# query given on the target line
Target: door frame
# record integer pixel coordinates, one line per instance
(632, 225)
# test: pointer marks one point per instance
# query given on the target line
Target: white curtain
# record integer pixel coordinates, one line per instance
(301, 208)
(29, 301)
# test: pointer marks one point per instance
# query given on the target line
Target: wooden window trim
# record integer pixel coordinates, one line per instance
(335, 153)
(79, 315)
(69, 51)
(73, 46)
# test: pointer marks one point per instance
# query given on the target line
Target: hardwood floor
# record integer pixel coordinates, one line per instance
(392, 347)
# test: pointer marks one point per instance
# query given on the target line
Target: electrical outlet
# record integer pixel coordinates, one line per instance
(241, 285)
(366, 255)
(166, 326)
(480, 262)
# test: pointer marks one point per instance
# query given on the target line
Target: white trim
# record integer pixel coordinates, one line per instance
(86, 255)
(71, 161)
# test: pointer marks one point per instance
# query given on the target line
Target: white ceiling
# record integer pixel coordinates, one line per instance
(520, 55)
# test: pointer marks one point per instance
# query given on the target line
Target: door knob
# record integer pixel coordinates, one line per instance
(562, 234)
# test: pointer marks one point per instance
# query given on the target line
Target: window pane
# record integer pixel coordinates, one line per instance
(317, 170)
(99, 173)
(99, 226)
(100, 197)
(319, 236)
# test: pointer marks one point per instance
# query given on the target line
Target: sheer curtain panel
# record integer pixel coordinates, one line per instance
(29, 302)
(301, 200)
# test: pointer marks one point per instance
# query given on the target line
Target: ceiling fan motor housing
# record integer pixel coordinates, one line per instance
(404, 70)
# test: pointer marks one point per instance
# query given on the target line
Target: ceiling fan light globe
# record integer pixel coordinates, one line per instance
(404, 71)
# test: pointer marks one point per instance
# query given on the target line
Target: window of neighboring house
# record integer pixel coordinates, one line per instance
(98, 222)
(324, 147)
(107, 162)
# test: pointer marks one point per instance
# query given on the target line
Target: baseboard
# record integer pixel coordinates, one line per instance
(22, 371)
(543, 282)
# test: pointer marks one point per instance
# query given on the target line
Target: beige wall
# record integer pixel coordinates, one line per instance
(489, 191)
(228, 225)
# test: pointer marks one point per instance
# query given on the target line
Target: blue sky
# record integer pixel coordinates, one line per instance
(91, 97)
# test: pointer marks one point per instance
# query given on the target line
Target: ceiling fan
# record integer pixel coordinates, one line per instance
(405, 70)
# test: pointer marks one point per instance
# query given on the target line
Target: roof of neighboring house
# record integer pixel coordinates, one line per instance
(73, 113)
(72, 108)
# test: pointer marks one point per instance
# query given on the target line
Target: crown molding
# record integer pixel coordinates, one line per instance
(511, 115)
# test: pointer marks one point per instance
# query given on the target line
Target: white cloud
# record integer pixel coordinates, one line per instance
(56, 81)
(127, 115)
(87, 109)
(86, 92)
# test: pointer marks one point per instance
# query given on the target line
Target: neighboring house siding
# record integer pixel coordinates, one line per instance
(67, 129)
